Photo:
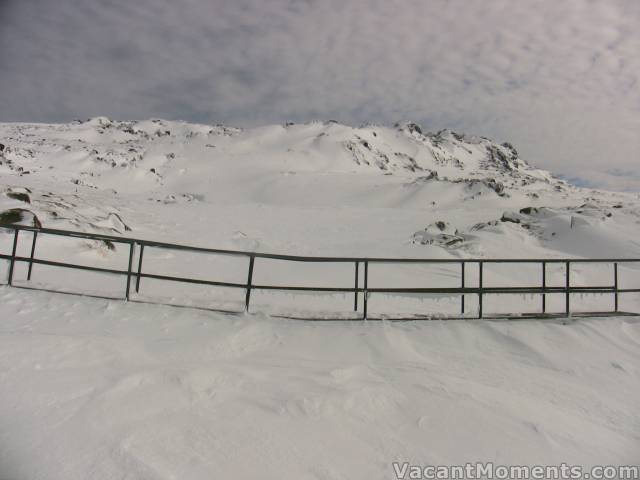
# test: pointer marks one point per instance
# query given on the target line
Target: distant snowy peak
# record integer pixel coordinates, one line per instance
(157, 145)
(156, 127)
(444, 154)
(451, 147)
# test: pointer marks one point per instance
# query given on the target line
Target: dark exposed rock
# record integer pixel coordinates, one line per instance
(457, 136)
(22, 216)
(514, 152)
(452, 240)
(509, 217)
(439, 233)
(410, 162)
(483, 225)
(442, 239)
(490, 183)
(414, 128)
(380, 159)
(11, 216)
(22, 197)
(496, 186)
(499, 158)
(529, 210)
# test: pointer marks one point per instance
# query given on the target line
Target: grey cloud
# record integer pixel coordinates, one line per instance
(558, 79)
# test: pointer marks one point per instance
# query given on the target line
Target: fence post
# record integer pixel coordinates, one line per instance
(139, 268)
(249, 280)
(544, 286)
(355, 300)
(33, 251)
(480, 267)
(615, 284)
(131, 247)
(567, 277)
(462, 299)
(366, 286)
(13, 255)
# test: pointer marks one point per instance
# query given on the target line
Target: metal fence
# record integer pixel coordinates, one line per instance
(361, 265)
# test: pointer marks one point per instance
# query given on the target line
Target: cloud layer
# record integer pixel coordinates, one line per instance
(557, 79)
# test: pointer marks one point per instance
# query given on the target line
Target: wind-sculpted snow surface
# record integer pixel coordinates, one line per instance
(102, 389)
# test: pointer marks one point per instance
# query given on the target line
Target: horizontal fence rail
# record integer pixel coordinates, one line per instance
(360, 285)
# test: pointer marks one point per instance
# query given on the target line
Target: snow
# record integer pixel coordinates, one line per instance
(311, 189)
(96, 388)
(103, 389)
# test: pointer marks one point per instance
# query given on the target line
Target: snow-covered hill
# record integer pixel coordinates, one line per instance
(332, 188)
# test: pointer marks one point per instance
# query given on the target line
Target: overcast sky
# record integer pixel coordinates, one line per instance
(558, 79)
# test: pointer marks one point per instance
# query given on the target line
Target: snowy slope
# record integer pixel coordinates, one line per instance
(312, 189)
(337, 189)
(104, 390)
